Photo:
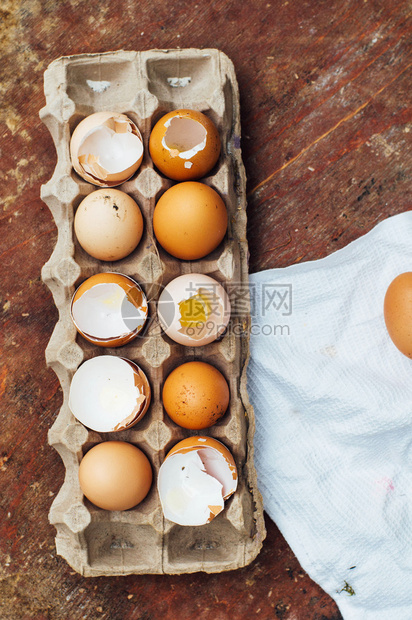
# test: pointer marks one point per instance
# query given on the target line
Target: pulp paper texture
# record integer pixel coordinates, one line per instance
(333, 403)
(145, 86)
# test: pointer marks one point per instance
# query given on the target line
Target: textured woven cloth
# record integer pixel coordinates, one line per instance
(333, 405)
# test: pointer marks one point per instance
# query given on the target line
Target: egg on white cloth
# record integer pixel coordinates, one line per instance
(194, 309)
(109, 394)
(196, 477)
(106, 148)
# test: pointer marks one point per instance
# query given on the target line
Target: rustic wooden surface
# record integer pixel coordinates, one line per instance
(324, 93)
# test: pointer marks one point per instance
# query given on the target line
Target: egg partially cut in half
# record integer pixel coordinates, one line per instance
(184, 145)
(194, 309)
(195, 479)
(109, 394)
(109, 309)
(106, 148)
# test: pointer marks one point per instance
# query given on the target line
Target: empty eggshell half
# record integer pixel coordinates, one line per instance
(109, 309)
(106, 148)
(194, 309)
(109, 394)
(184, 145)
(195, 479)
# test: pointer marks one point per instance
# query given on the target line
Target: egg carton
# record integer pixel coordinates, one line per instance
(144, 86)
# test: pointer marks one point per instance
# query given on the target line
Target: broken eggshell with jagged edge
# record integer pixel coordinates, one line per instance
(109, 394)
(109, 309)
(194, 309)
(184, 145)
(195, 479)
(106, 148)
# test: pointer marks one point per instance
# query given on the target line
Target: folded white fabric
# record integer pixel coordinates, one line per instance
(333, 405)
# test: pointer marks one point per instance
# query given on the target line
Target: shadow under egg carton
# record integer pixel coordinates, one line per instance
(144, 86)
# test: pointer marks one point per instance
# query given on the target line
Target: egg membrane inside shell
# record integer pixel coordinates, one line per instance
(195, 480)
(217, 466)
(184, 137)
(194, 310)
(109, 394)
(109, 308)
(188, 494)
(106, 148)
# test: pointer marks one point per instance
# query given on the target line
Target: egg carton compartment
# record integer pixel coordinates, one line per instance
(144, 86)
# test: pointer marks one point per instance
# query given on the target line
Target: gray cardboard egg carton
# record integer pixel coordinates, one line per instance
(144, 86)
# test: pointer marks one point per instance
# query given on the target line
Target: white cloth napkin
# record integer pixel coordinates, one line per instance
(333, 405)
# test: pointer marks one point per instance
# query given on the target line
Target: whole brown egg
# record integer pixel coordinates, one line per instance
(195, 395)
(115, 475)
(398, 312)
(190, 220)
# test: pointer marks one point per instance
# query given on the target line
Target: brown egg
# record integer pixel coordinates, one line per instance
(109, 309)
(115, 475)
(190, 220)
(398, 312)
(195, 395)
(108, 224)
(184, 145)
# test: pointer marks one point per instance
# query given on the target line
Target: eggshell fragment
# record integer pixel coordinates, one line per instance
(184, 145)
(109, 309)
(115, 475)
(190, 220)
(195, 479)
(109, 394)
(398, 312)
(194, 309)
(106, 148)
(108, 224)
(195, 395)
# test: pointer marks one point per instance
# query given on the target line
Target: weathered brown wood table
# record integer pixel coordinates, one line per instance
(324, 91)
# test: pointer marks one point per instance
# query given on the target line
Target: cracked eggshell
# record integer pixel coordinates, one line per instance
(115, 475)
(184, 145)
(109, 309)
(109, 394)
(196, 477)
(194, 309)
(106, 148)
(108, 224)
(190, 220)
